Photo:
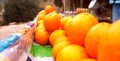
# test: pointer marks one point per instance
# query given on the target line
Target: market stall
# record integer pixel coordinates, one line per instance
(54, 36)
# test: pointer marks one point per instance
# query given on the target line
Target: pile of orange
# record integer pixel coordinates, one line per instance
(79, 38)
(47, 21)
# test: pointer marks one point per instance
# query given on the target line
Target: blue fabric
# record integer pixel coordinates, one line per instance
(5, 43)
(115, 12)
(116, 2)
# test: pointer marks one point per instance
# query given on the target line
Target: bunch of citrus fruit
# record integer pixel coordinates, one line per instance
(78, 38)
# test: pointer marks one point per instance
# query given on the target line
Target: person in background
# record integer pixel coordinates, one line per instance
(115, 9)
(94, 6)
(1, 5)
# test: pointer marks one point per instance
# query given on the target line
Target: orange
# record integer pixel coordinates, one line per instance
(40, 22)
(72, 53)
(109, 47)
(52, 21)
(42, 37)
(64, 20)
(40, 16)
(42, 12)
(67, 25)
(79, 26)
(88, 59)
(56, 34)
(58, 47)
(49, 9)
(80, 10)
(93, 37)
(40, 25)
(3, 58)
(59, 40)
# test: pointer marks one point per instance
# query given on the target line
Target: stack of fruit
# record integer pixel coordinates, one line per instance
(79, 38)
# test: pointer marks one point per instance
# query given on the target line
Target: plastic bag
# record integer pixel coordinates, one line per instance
(17, 45)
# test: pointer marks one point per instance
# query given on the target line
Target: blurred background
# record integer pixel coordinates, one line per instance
(103, 11)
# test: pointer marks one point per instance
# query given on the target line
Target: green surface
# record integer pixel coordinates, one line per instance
(41, 51)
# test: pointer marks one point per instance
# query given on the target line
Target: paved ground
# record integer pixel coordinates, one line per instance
(5, 31)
